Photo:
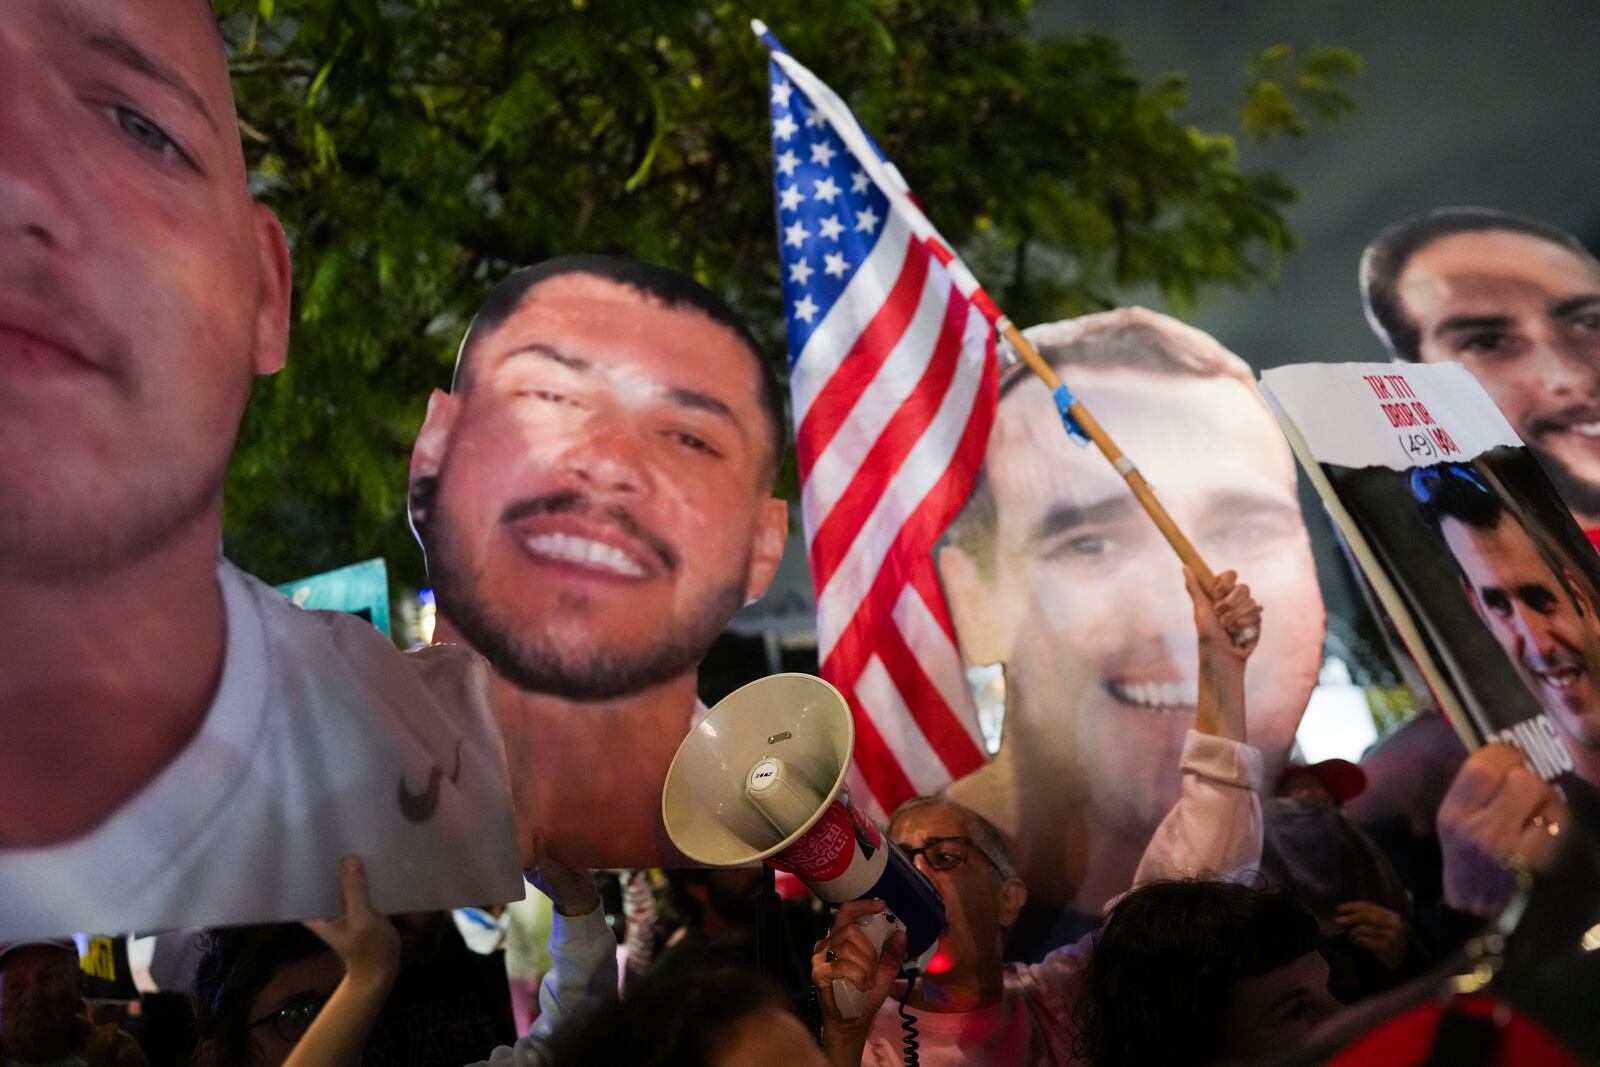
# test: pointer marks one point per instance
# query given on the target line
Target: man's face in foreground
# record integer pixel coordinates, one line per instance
(978, 901)
(602, 505)
(1523, 315)
(140, 287)
(1551, 635)
(1082, 576)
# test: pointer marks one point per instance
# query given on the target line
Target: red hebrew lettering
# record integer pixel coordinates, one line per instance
(1399, 415)
(1378, 388)
(1422, 414)
(824, 852)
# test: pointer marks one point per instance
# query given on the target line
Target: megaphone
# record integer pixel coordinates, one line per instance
(761, 777)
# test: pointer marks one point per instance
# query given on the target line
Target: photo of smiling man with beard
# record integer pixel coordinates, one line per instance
(1517, 302)
(594, 497)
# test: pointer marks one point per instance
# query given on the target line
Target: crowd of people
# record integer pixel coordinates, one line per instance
(1251, 911)
(1218, 952)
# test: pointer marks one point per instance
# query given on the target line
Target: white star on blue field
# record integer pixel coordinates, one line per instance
(829, 212)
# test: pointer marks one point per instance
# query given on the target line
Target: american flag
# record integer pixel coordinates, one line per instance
(893, 371)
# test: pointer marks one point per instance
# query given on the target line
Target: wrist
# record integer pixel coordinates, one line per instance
(1220, 664)
(578, 908)
(371, 981)
(844, 1043)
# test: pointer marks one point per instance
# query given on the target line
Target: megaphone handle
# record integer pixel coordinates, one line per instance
(847, 996)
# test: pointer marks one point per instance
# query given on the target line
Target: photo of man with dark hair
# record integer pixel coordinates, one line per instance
(1517, 302)
(1054, 571)
(594, 496)
(1541, 610)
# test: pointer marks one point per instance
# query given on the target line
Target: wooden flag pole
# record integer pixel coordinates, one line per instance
(1124, 466)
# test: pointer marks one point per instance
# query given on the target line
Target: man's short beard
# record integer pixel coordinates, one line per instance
(82, 543)
(533, 663)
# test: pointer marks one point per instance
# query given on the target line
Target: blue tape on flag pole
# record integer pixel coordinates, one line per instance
(1064, 402)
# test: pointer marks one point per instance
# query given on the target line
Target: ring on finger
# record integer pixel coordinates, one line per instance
(1549, 826)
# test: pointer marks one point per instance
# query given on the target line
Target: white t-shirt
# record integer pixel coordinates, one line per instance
(322, 740)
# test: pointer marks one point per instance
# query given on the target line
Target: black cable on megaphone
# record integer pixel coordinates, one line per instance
(761, 778)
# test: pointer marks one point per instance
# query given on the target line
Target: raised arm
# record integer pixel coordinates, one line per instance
(369, 947)
(583, 955)
(1215, 827)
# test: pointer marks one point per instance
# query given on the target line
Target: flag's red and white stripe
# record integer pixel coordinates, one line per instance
(894, 392)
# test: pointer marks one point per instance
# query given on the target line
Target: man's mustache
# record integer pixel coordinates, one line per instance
(1565, 418)
(1560, 659)
(572, 502)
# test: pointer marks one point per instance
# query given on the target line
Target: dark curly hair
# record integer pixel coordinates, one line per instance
(1165, 961)
(238, 963)
(679, 1019)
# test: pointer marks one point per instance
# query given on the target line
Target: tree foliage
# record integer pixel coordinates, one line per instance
(417, 150)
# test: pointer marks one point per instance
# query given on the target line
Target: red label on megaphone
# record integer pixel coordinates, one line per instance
(824, 852)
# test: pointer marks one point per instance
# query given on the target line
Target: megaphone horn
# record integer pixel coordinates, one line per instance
(762, 777)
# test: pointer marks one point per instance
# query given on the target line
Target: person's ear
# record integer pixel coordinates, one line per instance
(1013, 895)
(983, 629)
(274, 289)
(427, 455)
(772, 531)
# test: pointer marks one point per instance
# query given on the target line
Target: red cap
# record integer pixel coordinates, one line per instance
(1341, 777)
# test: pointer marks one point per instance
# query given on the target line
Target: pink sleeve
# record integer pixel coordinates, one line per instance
(1051, 989)
(1215, 827)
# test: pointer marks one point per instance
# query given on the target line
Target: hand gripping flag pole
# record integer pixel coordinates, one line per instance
(1079, 422)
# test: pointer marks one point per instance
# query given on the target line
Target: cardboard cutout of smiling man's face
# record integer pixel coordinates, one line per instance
(1517, 302)
(594, 499)
(1074, 590)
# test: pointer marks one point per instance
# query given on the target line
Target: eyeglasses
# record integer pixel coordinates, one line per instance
(293, 1018)
(948, 853)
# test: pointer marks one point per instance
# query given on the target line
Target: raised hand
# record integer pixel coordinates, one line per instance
(365, 941)
(1379, 930)
(570, 890)
(1497, 816)
(847, 952)
(1228, 620)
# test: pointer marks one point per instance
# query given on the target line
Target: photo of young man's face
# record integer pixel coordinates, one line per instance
(599, 489)
(1078, 574)
(1542, 614)
(1520, 311)
(131, 285)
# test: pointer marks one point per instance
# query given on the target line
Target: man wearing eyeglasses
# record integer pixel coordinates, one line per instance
(972, 1007)
(1539, 608)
